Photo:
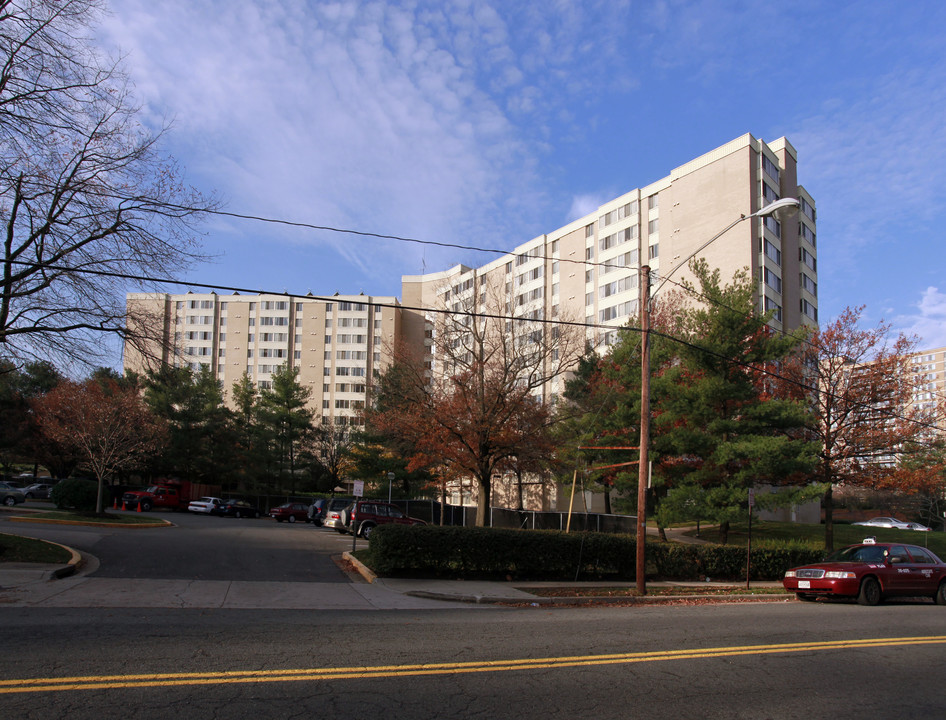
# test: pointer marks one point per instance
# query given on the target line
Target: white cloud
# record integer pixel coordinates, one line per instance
(928, 322)
(585, 205)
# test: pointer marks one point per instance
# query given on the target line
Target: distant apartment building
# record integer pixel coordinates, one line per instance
(928, 369)
(588, 271)
(339, 344)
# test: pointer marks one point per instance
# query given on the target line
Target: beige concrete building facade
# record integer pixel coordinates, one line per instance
(339, 344)
(928, 369)
(589, 270)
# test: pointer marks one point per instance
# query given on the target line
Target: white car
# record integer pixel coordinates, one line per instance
(885, 522)
(207, 505)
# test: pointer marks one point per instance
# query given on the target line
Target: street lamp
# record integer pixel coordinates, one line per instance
(779, 206)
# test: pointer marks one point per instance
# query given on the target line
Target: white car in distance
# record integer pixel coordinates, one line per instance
(206, 505)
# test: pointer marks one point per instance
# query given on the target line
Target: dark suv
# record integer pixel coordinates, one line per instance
(365, 515)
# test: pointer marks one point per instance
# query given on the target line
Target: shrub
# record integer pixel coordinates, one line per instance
(74, 493)
(465, 552)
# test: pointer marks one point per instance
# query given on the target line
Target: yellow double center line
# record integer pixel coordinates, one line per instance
(113, 682)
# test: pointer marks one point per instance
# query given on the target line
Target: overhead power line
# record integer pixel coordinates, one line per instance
(489, 316)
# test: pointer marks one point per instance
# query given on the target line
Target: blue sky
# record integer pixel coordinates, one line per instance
(489, 123)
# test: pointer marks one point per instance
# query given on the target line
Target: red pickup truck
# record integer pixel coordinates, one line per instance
(167, 495)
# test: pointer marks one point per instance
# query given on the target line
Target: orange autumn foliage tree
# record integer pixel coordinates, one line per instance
(861, 405)
(107, 426)
(479, 409)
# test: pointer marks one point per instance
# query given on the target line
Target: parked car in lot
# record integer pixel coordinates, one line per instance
(364, 516)
(884, 522)
(38, 491)
(10, 495)
(206, 505)
(319, 510)
(919, 527)
(290, 512)
(239, 509)
(870, 572)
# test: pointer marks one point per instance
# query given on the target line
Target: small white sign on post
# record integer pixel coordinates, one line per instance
(358, 488)
(751, 497)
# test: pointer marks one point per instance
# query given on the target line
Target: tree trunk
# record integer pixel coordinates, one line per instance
(828, 502)
(482, 501)
(724, 532)
(519, 488)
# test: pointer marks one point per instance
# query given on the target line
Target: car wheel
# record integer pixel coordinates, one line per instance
(9, 501)
(870, 592)
(29, 496)
(237, 514)
(366, 530)
(292, 518)
(805, 597)
(145, 506)
(343, 531)
(940, 596)
(256, 514)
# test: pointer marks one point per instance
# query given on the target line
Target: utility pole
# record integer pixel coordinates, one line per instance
(644, 463)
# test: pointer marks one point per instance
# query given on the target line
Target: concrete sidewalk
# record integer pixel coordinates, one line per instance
(73, 585)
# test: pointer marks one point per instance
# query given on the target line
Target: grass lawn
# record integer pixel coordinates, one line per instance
(844, 534)
(20, 549)
(75, 516)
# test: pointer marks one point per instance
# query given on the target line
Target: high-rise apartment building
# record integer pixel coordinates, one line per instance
(339, 344)
(928, 369)
(589, 270)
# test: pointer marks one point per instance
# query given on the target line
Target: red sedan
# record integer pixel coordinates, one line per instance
(871, 572)
(290, 512)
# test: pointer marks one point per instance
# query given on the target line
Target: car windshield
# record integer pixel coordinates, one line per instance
(858, 553)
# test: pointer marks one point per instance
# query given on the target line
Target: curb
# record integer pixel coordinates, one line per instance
(47, 521)
(62, 571)
(362, 569)
(592, 600)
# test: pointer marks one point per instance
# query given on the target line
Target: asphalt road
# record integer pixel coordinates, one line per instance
(758, 660)
(720, 661)
(206, 548)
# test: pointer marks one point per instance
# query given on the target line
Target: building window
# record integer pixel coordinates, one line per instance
(770, 304)
(770, 168)
(653, 202)
(653, 226)
(807, 233)
(809, 309)
(773, 253)
(772, 280)
(769, 193)
(654, 251)
(808, 284)
(807, 209)
(773, 226)
(807, 258)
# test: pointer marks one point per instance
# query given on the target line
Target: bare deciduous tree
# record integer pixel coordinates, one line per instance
(85, 195)
(485, 402)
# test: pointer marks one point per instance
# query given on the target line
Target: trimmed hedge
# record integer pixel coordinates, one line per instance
(495, 553)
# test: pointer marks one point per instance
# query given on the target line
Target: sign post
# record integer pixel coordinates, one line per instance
(358, 490)
(749, 543)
